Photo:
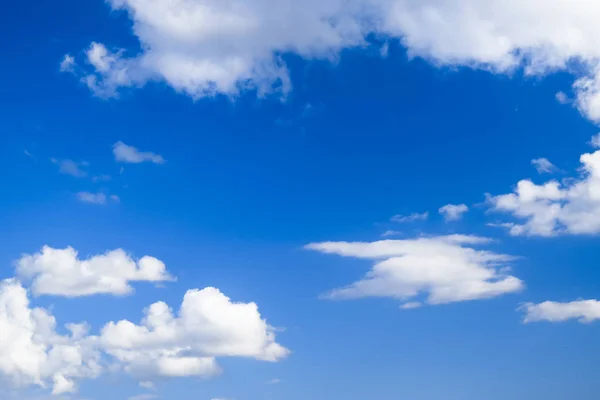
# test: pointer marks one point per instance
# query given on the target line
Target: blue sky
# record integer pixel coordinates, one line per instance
(295, 156)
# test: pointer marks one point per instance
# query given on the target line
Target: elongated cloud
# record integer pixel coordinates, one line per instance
(442, 269)
(60, 272)
(584, 311)
(128, 154)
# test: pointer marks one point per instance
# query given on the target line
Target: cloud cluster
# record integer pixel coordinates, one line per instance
(208, 325)
(32, 353)
(553, 208)
(203, 48)
(443, 269)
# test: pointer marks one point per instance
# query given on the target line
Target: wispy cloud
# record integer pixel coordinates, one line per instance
(146, 396)
(453, 212)
(129, 154)
(543, 166)
(410, 218)
(97, 198)
(101, 178)
(70, 167)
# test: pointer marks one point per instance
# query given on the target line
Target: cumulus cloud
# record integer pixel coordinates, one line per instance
(60, 272)
(553, 208)
(32, 353)
(70, 167)
(442, 269)
(585, 311)
(202, 48)
(208, 325)
(453, 212)
(128, 154)
(543, 166)
(410, 218)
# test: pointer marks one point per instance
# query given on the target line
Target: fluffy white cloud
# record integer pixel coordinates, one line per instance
(70, 167)
(32, 353)
(60, 272)
(543, 166)
(444, 269)
(552, 208)
(129, 154)
(584, 311)
(410, 218)
(224, 46)
(208, 325)
(453, 212)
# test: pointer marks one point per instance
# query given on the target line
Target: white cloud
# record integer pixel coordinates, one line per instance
(207, 47)
(585, 311)
(146, 396)
(67, 64)
(410, 218)
(97, 198)
(94, 198)
(70, 167)
(101, 178)
(274, 381)
(129, 154)
(595, 141)
(60, 272)
(32, 353)
(147, 385)
(453, 212)
(552, 208)
(543, 166)
(444, 269)
(562, 98)
(411, 305)
(208, 325)
(390, 232)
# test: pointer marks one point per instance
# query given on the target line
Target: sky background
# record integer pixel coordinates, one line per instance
(250, 180)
